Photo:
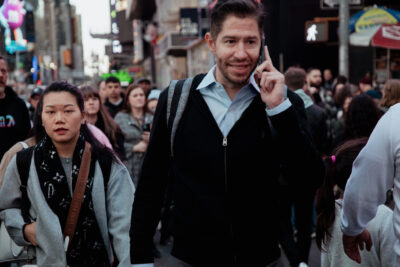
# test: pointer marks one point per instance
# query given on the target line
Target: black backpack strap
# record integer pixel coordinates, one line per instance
(23, 159)
(178, 95)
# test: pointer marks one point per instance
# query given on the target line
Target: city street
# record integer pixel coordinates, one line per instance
(313, 261)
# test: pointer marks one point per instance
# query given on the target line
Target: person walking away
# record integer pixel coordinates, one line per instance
(296, 199)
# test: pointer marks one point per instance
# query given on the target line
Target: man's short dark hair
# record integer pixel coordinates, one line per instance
(295, 78)
(310, 69)
(366, 80)
(238, 8)
(112, 79)
(143, 80)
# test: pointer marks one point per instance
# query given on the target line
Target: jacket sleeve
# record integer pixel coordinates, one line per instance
(122, 121)
(372, 175)
(10, 204)
(120, 191)
(151, 188)
(301, 160)
(26, 122)
(7, 158)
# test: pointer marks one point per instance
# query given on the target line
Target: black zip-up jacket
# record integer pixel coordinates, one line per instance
(224, 189)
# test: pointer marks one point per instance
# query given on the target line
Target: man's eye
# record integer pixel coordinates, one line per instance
(229, 41)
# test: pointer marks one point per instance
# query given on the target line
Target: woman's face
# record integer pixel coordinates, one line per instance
(137, 99)
(346, 104)
(92, 105)
(151, 105)
(61, 117)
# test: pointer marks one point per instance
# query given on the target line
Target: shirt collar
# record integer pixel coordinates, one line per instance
(209, 79)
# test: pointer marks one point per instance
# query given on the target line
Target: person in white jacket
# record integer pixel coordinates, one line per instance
(375, 171)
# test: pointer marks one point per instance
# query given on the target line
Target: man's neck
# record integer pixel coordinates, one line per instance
(2, 93)
(115, 101)
(137, 112)
(231, 88)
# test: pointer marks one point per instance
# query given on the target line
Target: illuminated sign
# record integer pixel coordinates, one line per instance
(11, 18)
(116, 47)
(334, 4)
(316, 31)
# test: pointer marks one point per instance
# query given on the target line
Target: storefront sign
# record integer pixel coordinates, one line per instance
(116, 47)
(193, 21)
(334, 4)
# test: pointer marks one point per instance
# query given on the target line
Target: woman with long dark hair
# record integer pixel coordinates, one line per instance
(102, 227)
(96, 114)
(328, 232)
(360, 119)
(135, 123)
(391, 93)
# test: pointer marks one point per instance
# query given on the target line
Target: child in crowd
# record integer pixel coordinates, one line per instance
(328, 232)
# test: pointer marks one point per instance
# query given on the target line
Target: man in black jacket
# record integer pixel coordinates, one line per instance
(115, 100)
(301, 198)
(14, 115)
(226, 160)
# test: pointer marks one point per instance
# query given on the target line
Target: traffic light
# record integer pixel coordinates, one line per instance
(316, 31)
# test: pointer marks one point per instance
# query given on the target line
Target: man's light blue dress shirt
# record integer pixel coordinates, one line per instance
(225, 111)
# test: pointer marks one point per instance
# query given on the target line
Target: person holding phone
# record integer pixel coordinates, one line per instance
(226, 158)
(135, 121)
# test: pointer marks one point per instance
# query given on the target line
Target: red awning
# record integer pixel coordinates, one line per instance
(388, 36)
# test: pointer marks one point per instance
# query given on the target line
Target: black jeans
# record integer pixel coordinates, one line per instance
(302, 201)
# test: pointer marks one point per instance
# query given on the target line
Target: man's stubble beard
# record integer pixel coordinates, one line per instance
(244, 82)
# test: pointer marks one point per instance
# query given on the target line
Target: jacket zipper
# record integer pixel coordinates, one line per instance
(225, 144)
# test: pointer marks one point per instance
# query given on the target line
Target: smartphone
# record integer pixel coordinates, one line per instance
(261, 58)
(146, 127)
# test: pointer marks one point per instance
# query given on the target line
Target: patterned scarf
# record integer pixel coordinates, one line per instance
(87, 247)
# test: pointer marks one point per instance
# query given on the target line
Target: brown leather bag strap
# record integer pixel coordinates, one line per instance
(76, 203)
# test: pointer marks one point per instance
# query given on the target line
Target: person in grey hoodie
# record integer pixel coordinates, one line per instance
(102, 232)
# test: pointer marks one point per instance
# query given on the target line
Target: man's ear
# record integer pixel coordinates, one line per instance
(210, 42)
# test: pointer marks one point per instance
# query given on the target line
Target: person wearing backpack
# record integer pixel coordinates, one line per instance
(212, 142)
(42, 185)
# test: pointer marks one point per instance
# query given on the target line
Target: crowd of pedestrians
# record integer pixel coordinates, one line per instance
(239, 163)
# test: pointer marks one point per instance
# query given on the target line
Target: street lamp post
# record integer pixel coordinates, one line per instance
(344, 38)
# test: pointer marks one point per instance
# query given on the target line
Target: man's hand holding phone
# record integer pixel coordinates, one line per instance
(271, 82)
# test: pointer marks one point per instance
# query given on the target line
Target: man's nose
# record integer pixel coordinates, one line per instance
(240, 51)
